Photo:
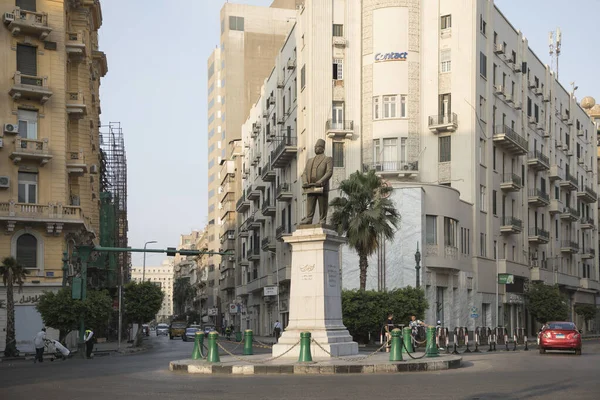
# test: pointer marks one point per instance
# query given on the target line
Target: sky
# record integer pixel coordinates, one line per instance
(156, 88)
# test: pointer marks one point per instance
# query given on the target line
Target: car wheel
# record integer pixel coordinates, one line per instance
(577, 352)
(542, 350)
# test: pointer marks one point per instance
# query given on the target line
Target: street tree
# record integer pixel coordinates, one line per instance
(546, 303)
(142, 301)
(586, 311)
(60, 311)
(183, 293)
(365, 215)
(97, 309)
(12, 274)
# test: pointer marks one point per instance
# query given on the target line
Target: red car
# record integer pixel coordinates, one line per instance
(560, 336)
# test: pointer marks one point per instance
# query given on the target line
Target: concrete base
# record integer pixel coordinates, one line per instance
(337, 343)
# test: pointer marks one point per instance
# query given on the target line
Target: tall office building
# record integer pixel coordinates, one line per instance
(162, 276)
(249, 42)
(49, 143)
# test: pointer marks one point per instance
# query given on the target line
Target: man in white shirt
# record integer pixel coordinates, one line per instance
(277, 330)
(39, 342)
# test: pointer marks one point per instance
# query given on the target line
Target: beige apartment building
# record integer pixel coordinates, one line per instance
(161, 276)
(250, 40)
(51, 69)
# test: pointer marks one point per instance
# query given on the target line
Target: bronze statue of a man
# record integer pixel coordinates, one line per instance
(315, 182)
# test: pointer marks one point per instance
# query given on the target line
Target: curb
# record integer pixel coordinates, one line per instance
(202, 367)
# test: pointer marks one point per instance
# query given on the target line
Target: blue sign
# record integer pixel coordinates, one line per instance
(474, 316)
(381, 57)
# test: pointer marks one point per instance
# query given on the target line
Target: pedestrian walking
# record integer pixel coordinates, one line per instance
(89, 342)
(277, 330)
(39, 341)
(388, 326)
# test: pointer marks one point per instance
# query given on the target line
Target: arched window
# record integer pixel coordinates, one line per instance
(27, 251)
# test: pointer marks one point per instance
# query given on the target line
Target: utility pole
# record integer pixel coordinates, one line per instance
(65, 268)
(417, 266)
(84, 253)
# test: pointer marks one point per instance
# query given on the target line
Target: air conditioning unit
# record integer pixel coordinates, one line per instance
(546, 98)
(537, 91)
(509, 98)
(499, 89)
(532, 120)
(291, 64)
(532, 85)
(580, 161)
(280, 84)
(518, 105)
(4, 182)
(231, 258)
(11, 128)
(230, 236)
(499, 48)
(265, 114)
(272, 100)
(8, 18)
(570, 122)
(94, 169)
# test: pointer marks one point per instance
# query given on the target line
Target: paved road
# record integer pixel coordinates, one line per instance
(501, 375)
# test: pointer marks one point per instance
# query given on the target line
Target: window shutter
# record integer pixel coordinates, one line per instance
(27, 60)
(27, 251)
(28, 5)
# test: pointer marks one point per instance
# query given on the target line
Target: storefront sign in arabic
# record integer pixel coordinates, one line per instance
(27, 299)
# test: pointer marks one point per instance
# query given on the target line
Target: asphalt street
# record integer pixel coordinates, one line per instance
(499, 375)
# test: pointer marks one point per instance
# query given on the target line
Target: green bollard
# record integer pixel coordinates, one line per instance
(198, 343)
(396, 350)
(248, 350)
(305, 355)
(213, 349)
(238, 336)
(407, 341)
(431, 350)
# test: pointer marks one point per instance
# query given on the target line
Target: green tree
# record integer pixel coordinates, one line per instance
(365, 215)
(546, 303)
(60, 311)
(12, 274)
(97, 309)
(586, 311)
(183, 293)
(142, 301)
(364, 311)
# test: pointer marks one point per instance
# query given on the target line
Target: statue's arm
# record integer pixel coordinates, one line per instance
(304, 176)
(328, 171)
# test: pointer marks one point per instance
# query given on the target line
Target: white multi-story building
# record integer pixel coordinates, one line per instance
(163, 277)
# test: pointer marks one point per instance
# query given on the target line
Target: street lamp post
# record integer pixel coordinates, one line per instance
(144, 267)
(417, 267)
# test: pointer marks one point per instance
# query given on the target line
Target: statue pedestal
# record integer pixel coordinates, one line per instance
(315, 295)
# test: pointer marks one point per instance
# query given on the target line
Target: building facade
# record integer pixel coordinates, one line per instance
(49, 143)
(162, 276)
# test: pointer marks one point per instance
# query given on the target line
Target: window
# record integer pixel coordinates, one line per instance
(431, 229)
(27, 188)
(27, 124)
(389, 106)
(482, 108)
(445, 149)
(450, 232)
(482, 151)
(27, 60)
(482, 249)
(236, 23)
(494, 195)
(27, 251)
(376, 111)
(338, 69)
(338, 30)
(222, 26)
(483, 64)
(446, 21)
(494, 158)
(28, 5)
(376, 151)
(445, 60)
(211, 70)
(295, 89)
(482, 25)
(338, 154)
(402, 106)
(482, 200)
(303, 77)
(494, 70)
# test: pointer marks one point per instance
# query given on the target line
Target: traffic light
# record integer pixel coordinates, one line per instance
(171, 251)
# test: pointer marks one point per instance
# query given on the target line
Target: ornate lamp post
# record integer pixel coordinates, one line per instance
(417, 267)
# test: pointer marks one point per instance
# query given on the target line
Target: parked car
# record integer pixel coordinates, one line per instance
(162, 329)
(190, 332)
(177, 329)
(560, 335)
(208, 329)
(145, 330)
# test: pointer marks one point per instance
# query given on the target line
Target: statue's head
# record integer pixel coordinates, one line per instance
(320, 146)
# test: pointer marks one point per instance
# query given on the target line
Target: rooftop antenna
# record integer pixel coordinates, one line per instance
(555, 46)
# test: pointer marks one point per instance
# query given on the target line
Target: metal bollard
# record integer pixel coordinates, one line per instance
(238, 336)
(506, 341)
(396, 348)
(213, 349)
(467, 341)
(476, 338)
(407, 341)
(431, 350)
(198, 343)
(515, 344)
(305, 355)
(525, 339)
(248, 335)
(455, 351)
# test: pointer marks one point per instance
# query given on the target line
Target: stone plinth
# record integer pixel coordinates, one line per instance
(315, 294)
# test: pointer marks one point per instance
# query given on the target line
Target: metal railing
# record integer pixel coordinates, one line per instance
(511, 134)
(570, 244)
(512, 221)
(539, 232)
(509, 177)
(539, 193)
(537, 154)
(347, 125)
(590, 191)
(570, 178)
(443, 119)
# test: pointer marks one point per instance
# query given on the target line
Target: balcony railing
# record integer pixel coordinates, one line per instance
(588, 252)
(538, 160)
(443, 122)
(393, 167)
(75, 44)
(30, 87)
(27, 22)
(569, 214)
(541, 233)
(511, 182)
(268, 209)
(587, 195)
(281, 231)
(284, 192)
(268, 174)
(587, 223)
(538, 198)
(76, 106)
(570, 182)
(76, 162)
(339, 128)
(507, 138)
(31, 149)
(569, 246)
(285, 151)
(43, 213)
(511, 225)
(242, 204)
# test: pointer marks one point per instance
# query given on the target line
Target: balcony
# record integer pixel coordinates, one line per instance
(393, 168)
(228, 283)
(511, 182)
(587, 195)
(587, 223)
(26, 22)
(268, 174)
(568, 183)
(256, 158)
(556, 206)
(253, 193)
(588, 283)
(76, 107)
(569, 246)
(76, 163)
(588, 253)
(538, 161)
(242, 204)
(510, 141)
(443, 123)
(54, 215)
(569, 214)
(537, 235)
(75, 45)
(555, 173)
(268, 244)
(511, 225)
(281, 232)
(30, 87)
(538, 198)
(227, 206)
(268, 209)
(284, 192)
(339, 129)
(253, 223)
(284, 152)
(31, 149)
(254, 254)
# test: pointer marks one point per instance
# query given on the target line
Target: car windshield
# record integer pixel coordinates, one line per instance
(179, 325)
(567, 326)
(162, 326)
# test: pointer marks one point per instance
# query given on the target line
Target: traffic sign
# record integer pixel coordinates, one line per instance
(474, 316)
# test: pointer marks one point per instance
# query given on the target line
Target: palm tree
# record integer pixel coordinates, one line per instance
(365, 215)
(12, 273)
